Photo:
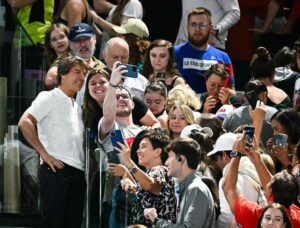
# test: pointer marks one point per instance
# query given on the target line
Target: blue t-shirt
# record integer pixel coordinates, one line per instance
(193, 63)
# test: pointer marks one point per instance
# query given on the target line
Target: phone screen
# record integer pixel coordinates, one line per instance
(252, 98)
(249, 137)
(280, 140)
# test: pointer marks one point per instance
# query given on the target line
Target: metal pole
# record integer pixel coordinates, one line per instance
(100, 185)
(87, 177)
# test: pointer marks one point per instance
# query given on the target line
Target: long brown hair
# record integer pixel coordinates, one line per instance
(49, 53)
(147, 69)
(117, 14)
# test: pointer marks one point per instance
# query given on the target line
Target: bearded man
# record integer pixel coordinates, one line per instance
(196, 56)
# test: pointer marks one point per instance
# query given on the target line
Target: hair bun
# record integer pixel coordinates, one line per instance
(262, 52)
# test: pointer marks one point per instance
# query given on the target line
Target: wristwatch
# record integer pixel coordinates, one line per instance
(133, 170)
(235, 153)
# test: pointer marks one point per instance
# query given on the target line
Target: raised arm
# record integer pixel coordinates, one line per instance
(229, 184)
(103, 24)
(147, 182)
(110, 101)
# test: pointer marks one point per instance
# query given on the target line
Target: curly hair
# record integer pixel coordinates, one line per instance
(159, 139)
(138, 48)
(183, 94)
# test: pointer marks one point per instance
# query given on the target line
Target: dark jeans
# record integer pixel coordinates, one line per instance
(63, 196)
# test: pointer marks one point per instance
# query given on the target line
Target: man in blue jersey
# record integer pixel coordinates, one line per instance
(196, 56)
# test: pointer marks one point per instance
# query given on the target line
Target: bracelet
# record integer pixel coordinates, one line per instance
(112, 85)
(125, 175)
(129, 166)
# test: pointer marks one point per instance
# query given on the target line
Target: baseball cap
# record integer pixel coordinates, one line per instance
(187, 130)
(132, 25)
(224, 143)
(80, 30)
(224, 111)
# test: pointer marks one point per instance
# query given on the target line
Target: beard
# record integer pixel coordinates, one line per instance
(123, 113)
(198, 43)
(87, 55)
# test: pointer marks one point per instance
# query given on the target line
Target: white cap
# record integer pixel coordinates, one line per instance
(187, 130)
(133, 25)
(224, 143)
(224, 111)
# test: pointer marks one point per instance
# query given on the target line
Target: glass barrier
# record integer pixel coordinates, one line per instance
(21, 79)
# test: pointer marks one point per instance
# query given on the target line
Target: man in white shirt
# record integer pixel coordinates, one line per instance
(248, 182)
(54, 128)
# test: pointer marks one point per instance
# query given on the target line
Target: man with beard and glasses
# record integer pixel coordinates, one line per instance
(82, 43)
(196, 56)
(117, 114)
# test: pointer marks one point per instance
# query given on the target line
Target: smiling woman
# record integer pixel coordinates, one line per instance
(179, 117)
(274, 215)
(154, 188)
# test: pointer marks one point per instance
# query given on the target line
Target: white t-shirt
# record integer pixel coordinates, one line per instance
(60, 126)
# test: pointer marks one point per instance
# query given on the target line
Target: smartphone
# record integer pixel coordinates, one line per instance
(113, 157)
(280, 139)
(249, 137)
(252, 98)
(132, 70)
(227, 81)
(116, 136)
(160, 75)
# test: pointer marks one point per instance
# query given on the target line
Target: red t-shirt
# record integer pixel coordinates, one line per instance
(247, 212)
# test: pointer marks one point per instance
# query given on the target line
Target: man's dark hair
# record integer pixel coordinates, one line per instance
(189, 148)
(257, 85)
(284, 188)
(65, 64)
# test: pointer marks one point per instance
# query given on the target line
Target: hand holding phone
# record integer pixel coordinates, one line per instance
(132, 70)
(249, 137)
(252, 98)
(113, 156)
(280, 139)
(116, 136)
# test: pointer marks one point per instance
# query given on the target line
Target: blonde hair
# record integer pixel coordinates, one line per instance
(183, 94)
(187, 112)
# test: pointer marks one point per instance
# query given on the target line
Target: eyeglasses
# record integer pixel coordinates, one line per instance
(123, 96)
(200, 26)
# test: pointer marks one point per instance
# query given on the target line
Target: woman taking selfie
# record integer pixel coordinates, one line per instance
(153, 188)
